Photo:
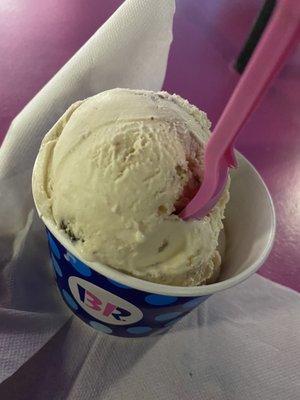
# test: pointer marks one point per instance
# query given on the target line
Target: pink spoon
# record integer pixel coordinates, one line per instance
(280, 35)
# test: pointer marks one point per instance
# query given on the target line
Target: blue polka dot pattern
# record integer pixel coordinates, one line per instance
(56, 267)
(138, 330)
(167, 316)
(193, 303)
(80, 267)
(120, 285)
(159, 300)
(69, 299)
(100, 327)
(158, 312)
(53, 247)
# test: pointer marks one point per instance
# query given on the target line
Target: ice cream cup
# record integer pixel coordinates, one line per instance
(121, 305)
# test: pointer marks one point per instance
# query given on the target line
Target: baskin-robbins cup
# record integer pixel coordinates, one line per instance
(121, 305)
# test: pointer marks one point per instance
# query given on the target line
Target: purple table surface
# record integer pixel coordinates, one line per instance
(38, 37)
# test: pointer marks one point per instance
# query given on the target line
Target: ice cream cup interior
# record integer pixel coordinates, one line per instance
(249, 231)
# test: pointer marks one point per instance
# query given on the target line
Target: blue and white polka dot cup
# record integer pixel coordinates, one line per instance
(117, 304)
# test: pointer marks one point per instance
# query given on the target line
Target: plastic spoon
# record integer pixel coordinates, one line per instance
(280, 35)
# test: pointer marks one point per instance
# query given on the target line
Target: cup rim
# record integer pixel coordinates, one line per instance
(168, 290)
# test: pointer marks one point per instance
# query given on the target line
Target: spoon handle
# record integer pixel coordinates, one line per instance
(280, 35)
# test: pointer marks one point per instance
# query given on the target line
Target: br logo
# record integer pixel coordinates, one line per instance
(103, 305)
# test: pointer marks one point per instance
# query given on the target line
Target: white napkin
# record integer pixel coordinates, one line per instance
(242, 344)
(129, 50)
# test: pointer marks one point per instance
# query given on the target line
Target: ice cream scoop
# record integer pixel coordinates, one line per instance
(113, 173)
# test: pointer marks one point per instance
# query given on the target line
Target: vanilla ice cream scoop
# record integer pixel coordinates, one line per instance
(112, 173)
